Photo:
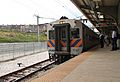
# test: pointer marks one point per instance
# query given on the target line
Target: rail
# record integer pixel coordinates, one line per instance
(21, 74)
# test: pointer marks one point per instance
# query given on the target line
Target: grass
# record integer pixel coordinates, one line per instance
(7, 36)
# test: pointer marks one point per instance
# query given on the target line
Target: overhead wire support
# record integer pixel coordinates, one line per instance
(47, 18)
(38, 29)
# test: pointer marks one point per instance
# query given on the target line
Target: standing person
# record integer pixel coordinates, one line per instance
(114, 40)
(107, 40)
(102, 40)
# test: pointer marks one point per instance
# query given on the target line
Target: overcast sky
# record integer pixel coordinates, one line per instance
(23, 11)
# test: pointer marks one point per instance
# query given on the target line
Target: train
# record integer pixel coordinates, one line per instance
(68, 38)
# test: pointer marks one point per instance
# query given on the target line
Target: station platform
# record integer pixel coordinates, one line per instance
(97, 65)
(11, 66)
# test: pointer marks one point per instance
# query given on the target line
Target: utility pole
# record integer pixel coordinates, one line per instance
(38, 31)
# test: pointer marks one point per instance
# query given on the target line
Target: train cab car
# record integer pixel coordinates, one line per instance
(68, 38)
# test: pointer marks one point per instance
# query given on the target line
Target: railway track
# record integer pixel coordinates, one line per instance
(24, 73)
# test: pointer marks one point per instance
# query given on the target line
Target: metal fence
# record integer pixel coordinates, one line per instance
(10, 51)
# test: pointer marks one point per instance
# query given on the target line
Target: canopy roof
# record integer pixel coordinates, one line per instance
(101, 13)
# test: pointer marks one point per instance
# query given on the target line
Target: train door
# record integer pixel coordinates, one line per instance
(62, 40)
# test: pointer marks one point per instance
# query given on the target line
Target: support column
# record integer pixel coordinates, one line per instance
(118, 41)
(119, 22)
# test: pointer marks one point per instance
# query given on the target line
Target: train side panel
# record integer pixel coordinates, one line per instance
(90, 38)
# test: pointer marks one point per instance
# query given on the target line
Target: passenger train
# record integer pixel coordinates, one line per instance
(68, 38)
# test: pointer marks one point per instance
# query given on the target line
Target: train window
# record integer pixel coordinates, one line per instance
(51, 34)
(75, 33)
(63, 31)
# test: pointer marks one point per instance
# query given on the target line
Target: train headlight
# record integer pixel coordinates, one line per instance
(61, 22)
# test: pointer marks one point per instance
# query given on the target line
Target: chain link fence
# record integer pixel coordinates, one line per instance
(9, 51)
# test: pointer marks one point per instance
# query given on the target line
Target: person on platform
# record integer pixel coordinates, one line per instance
(107, 40)
(114, 40)
(101, 40)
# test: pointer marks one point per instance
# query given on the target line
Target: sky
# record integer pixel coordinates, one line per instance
(24, 11)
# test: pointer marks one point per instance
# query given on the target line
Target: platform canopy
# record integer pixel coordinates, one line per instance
(103, 14)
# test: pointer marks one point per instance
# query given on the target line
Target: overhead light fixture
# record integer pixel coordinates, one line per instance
(101, 16)
(97, 6)
(98, 13)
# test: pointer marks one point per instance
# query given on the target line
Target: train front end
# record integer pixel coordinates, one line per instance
(64, 40)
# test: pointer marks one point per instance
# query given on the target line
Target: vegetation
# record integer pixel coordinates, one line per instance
(8, 36)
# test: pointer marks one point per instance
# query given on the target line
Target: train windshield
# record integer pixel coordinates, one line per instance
(75, 33)
(51, 34)
(63, 32)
